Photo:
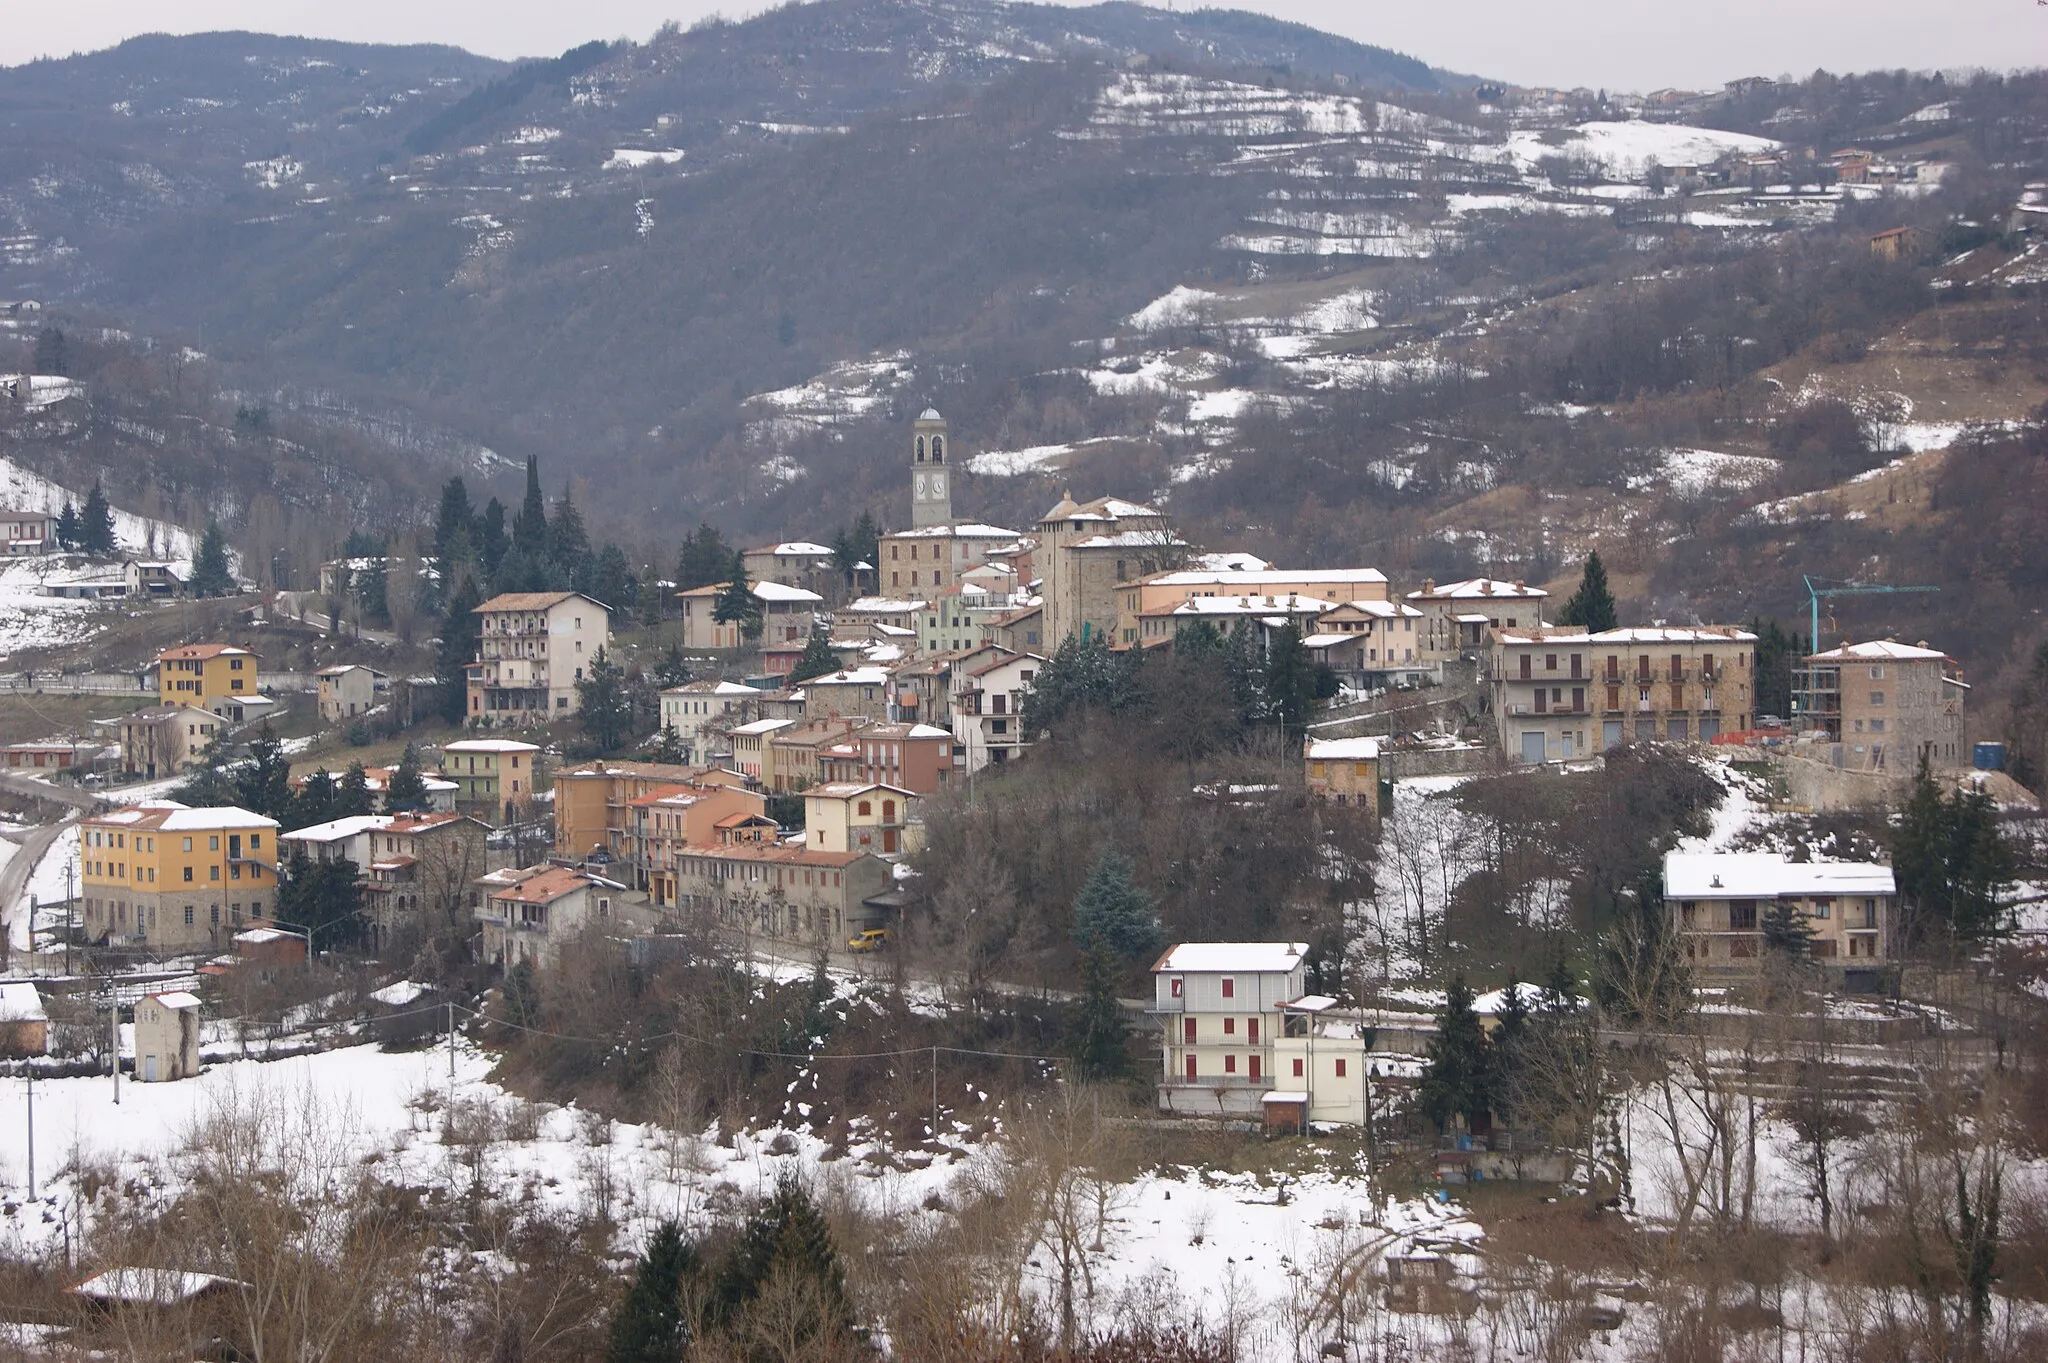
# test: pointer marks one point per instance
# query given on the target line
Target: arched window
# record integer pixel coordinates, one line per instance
(920, 449)
(938, 449)
(866, 808)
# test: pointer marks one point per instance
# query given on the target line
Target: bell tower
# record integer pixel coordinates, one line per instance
(931, 487)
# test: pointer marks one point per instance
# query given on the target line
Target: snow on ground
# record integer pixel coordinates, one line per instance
(1626, 149)
(632, 158)
(1692, 472)
(1010, 463)
(842, 393)
(29, 619)
(1178, 307)
(25, 490)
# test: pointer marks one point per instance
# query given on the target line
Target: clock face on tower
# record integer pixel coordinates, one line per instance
(924, 487)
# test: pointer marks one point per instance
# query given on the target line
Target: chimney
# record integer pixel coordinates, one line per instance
(1429, 586)
(1521, 585)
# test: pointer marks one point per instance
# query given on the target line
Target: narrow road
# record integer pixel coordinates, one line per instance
(14, 878)
(84, 800)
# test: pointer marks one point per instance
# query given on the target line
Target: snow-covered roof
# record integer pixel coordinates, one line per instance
(1476, 589)
(1344, 750)
(846, 790)
(169, 816)
(148, 1286)
(776, 591)
(1263, 577)
(884, 605)
(400, 994)
(763, 726)
(1253, 605)
(1229, 561)
(1658, 634)
(797, 549)
(20, 1002)
(179, 999)
(1384, 610)
(1247, 958)
(708, 688)
(857, 676)
(1880, 649)
(483, 745)
(965, 530)
(930, 414)
(1129, 539)
(928, 731)
(1766, 875)
(338, 830)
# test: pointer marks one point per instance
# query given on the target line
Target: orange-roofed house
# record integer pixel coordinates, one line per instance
(666, 818)
(528, 913)
(792, 894)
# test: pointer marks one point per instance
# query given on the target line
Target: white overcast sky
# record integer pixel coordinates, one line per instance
(1625, 44)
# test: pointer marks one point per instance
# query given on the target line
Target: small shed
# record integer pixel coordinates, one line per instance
(167, 1037)
(1286, 1114)
(24, 1023)
(269, 949)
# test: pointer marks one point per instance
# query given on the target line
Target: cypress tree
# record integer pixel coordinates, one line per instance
(461, 632)
(490, 538)
(1113, 911)
(649, 1324)
(1592, 606)
(530, 526)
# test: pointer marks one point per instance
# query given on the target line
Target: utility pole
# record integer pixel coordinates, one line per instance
(935, 1097)
(114, 1037)
(31, 1135)
(451, 1050)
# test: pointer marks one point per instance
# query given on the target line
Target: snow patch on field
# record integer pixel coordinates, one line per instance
(632, 158)
(1693, 472)
(1626, 149)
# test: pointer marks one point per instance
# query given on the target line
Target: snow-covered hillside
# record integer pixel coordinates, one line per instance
(24, 490)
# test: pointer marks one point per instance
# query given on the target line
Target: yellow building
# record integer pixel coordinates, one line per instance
(494, 777)
(1345, 771)
(857, 816)
(200, 674)
(174, 877)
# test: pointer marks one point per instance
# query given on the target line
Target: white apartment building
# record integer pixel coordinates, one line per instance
(701, 713)
(535, 647)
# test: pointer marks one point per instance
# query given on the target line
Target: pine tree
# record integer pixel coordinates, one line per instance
(1098, 1022)
(649, 1325)
(672, 668)
(352, 793)
(314, 802)
(53, 352)
(211, 575)
(1113, 911)
(70, 529)
(737, 604)
(1291, 681)
(788, 1240)
(1457, 1080)
(408, 786)
(461, 635)
(96, 532)
(1561, 990)
(530, 526)
(706, 559)
(1510, 1037)
(603, 705)
(1788, 933)
(612, 581)
(1592, 606)
(817, 659)
(263, 783)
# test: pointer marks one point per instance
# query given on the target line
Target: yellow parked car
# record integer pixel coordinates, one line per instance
(874, 939)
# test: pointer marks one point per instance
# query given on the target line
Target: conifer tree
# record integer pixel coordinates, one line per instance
(1592, 606)
(705, 561)
(649, 1325)
(1561, 990)
(461, 632)
(490, 537)
(211, 575)
(817, 659)
(1113, 911)
(1098, 1023)
(788, 1240)
(1510, 1038)
(264, 781)
(352, 793)
(1291, 681)
(1788, 933)
(1458, 1078)
(737, 604)
(313, 803)
(569, 545)
(408, 787)
(530, 526)
(96, 529)
(454, 536)
(603, 705)
(70, 528)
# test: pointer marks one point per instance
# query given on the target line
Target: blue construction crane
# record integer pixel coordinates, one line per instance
(1817, 587)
